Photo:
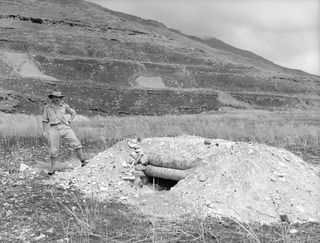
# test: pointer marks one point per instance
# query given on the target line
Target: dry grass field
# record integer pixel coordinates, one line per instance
(69, 218)
(297, 131)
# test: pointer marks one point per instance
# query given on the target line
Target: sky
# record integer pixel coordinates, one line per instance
(286, 32)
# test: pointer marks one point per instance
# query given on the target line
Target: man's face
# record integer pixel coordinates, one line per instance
(56, 100)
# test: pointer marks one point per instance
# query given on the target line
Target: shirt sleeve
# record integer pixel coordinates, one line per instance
(45, 117)
(69, 110)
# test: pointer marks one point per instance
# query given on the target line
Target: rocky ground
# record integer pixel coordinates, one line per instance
(249, 182)
(34, 209)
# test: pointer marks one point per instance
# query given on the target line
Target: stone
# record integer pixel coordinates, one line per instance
(293, 231)
(202, 178)
(64, 240)
(125, 164)
(140, 167)
(23, 167)
(124, 198)
(134, 155)
(9, 213)
(138, 182)
(129, 178)
(144, 180)
(138, 173)
(144, 159)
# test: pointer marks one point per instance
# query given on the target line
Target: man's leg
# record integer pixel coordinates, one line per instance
(73, 142)
(81, 156)
(54, 144)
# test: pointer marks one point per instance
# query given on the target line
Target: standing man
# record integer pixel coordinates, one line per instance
(57, 126)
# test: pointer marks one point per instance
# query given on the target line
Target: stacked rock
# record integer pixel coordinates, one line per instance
(139, 160)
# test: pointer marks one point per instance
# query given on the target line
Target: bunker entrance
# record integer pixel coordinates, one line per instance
(160, 184)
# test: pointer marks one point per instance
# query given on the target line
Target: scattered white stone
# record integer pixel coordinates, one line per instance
(129, 178)
(120, 183)
(250, 151)
(202, 178)
(40, 237)
(65, 240)
(50, 230)
(138, 173)
(138, 150)
(103, 188)
(312, 220)
(127, 173)
(131, 161)
(144, 159)
(133, 154)
(9, 213)
(125, 164)
(23, 167)
(293, 231)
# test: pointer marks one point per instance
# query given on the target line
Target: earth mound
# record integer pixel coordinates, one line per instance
(248, 182)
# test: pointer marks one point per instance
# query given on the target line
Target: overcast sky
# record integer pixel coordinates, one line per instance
(286, 32)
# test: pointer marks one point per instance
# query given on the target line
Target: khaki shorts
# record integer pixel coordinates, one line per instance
(55, 133)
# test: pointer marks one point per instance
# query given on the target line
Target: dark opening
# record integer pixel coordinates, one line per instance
(161, 184)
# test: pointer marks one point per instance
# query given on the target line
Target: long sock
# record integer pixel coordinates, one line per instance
(53, 163)
(80, 155)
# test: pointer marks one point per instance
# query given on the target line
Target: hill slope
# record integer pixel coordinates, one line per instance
(113, 63)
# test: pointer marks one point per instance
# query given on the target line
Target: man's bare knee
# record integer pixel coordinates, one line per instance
(54, 155)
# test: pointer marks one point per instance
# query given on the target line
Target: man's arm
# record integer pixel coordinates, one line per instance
(72, 112)
(45, 122)
(45, 128)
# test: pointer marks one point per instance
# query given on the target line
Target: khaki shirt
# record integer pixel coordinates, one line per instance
(55, 114)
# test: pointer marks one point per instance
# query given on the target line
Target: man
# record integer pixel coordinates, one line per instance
(57, 126)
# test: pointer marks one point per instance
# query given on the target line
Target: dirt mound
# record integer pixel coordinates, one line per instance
(249, 182)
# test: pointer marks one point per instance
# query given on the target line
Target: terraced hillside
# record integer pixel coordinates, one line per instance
(113, 63)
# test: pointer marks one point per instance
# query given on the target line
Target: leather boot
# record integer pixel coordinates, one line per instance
(81, 157)
(53, 163)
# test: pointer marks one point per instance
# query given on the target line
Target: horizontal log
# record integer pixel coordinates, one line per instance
(166, 173)
(171, 162)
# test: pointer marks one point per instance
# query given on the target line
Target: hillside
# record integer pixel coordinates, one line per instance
(108, 62)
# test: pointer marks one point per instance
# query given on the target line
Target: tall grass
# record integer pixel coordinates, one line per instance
(298, 132)
(294, 130)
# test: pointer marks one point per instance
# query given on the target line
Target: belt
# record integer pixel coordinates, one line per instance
(56, 124)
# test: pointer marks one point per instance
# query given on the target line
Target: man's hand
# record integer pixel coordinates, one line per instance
(45, 134)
